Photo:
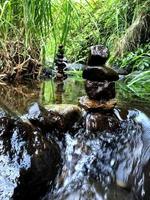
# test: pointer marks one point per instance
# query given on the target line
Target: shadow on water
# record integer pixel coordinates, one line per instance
(105, 156)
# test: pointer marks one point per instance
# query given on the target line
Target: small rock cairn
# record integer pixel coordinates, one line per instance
(100, 81)
(60, 63)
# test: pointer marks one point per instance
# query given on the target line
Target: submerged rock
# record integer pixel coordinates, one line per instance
(94, 73)
(98, 122)
(29, 162)
(100, 90)
(98, 55)
(90, 104)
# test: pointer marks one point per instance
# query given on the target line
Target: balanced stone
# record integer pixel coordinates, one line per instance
(100, 90)
(100, 81)
(60, 55)
(60, 62)
(89, 104)
(98, 55)
(95, 73)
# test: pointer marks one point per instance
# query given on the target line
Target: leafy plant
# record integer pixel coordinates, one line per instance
(138, 60)
(36, 28)
(138, 63)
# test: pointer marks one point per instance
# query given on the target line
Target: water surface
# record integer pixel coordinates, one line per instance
(112, 163)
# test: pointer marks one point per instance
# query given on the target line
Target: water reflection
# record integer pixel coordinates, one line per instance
(16, 97)
(67, 91)
(105, 156)
(59, 92)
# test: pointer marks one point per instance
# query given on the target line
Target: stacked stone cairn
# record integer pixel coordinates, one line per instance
(100, 81)
(60, 63)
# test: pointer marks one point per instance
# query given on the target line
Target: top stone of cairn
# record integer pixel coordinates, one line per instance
(98, 55)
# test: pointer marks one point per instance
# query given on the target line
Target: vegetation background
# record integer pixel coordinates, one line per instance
(31, 28)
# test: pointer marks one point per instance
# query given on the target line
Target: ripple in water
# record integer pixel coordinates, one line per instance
(106, 164)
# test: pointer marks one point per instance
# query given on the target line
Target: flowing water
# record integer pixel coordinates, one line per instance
(105, 155)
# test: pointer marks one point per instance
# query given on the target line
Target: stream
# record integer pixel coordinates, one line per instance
(102, 156)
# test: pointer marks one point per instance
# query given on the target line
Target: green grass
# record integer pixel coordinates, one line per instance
(138, 63)
(34, 23)
(139, 83)
(36, 28)
(44, 24)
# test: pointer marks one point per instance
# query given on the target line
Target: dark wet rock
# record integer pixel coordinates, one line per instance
(106, 165)
(94, 73)
(98, 122)
(29, 162)
(100, 90)
(60, 55)
(98, 55)
(70, 113)
(61, 64)
(44, 119)
(54, 118)
(61, 49)
(90, 104)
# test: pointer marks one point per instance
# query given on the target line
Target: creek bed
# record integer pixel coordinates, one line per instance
(110, 161)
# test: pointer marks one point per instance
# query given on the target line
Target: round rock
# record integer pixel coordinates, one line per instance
(94, 73)
(29, 162)
(44, 119)
(98, 55)
(100, 90)
(70, 113)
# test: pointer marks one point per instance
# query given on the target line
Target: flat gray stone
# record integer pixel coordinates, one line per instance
(89, 104)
